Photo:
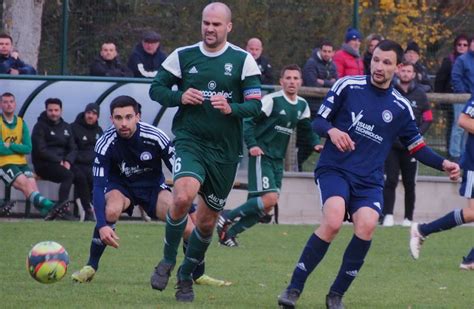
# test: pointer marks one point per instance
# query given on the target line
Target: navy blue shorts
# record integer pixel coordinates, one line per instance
(146, 197)
(467, 184)
(355, 192)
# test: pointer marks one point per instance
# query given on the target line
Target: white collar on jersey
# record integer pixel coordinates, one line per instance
(213, 54)
(294, 102)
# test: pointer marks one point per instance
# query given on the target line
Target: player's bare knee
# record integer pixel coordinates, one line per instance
(182, 201)
(112, 214)
(365, 229)
(269, 201)
(468, 214)
(333, 227)
(206, 228)
(114, 205)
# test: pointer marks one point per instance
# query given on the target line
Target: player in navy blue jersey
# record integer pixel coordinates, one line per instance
(127, 171)
(361, 117)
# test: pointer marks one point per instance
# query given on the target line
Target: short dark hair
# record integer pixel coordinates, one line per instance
(123, 101)
(408, 63)
(290, 67)
(53, 101)
(108, 42)
(6, 36)
(389, 45)
(326, 43)
(8, 94)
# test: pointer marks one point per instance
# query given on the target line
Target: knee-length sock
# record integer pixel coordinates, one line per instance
(312, 254)
(352, 261)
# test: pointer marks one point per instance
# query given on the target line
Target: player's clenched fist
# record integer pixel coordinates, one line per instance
(341, 140)
(452, 169)
(192, 96)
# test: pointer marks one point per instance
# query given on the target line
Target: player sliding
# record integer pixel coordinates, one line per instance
(361, 117)
(127, 172)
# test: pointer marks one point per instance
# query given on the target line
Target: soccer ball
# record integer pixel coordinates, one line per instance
(47, 262)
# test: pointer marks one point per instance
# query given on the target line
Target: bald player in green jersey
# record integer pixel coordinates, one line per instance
(218, 85)
(267, 137)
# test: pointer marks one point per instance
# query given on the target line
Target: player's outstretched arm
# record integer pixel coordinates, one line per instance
(452, 169)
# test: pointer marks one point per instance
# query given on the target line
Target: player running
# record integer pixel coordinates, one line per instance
(267, 138)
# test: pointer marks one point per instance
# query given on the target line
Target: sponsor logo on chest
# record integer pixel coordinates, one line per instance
(211, 91)
(364, 129)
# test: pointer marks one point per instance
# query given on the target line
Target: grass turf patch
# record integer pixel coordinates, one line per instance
(259, 269)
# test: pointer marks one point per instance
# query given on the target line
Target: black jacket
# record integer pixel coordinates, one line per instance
(266, 69)
(142, 62)
(316, 68)
(422, 77)
(101, 67)
(443, 76)
(52, 142)
(85, 137)
(367, 59)
(419, 104)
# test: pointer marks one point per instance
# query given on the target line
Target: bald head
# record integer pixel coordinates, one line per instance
(254, 47)
(215, 26)
(219, 8)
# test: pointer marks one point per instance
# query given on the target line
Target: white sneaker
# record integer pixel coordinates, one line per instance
(388, 220)
(416, 240)
(467, 265)
(406, 223)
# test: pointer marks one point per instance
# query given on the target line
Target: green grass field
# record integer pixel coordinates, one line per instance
(260, 268)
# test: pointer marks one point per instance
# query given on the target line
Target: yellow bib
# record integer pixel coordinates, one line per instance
(14, 135)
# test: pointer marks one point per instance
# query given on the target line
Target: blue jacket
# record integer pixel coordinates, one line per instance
(462, 75)
(8, 63)
(316, 68)
(143, 64)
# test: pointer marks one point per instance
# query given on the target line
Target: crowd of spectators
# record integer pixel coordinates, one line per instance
(63, 152)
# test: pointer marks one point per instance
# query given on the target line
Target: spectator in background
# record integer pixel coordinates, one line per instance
(318, 71)
(412, 54)
(462, 79)
(54, 150)
(10, 63)
(255, 48)
(108, 63)
(347, 59)
(147, 56)
(86, 132)
(15, 144)
(371, 41)
(399, 159)
(443, 85)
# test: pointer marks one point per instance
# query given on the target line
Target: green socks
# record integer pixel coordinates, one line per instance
(173, 234)
(250, 212)
(253, 206)
(197, 247)
(40, 202)
(244, 224)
